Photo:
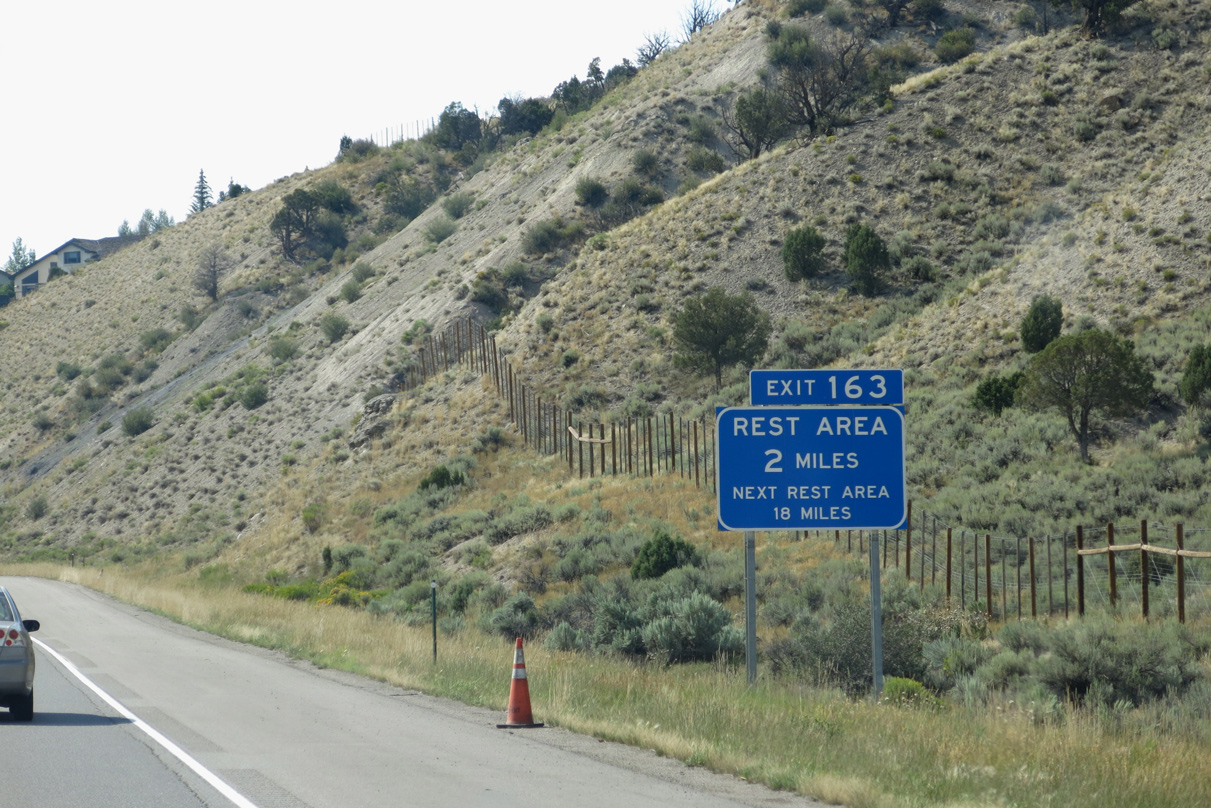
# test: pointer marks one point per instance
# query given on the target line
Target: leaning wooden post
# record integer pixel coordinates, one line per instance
(1034, 604)
(949, 548)
(1144, 568)
(1111, 564)
(1180, 565)
(988, 574)
(1080, 572)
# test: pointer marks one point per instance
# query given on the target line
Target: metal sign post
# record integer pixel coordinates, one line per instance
(876, 617)
(750, 605)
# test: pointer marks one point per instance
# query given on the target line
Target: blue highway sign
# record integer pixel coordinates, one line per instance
(809, 468)
(797, 388)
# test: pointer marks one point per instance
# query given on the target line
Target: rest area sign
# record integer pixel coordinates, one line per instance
(810, 468)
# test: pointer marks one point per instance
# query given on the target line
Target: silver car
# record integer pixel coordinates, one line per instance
(16, 660)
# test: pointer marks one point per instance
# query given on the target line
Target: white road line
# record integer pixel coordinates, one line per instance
(180, 754)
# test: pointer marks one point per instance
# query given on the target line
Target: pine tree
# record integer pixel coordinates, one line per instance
(201, 194)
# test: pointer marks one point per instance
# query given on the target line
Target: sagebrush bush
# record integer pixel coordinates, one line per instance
(703, 160)
(334, 326)
(138, 421)
(954, 45)
(518, 617)
(591, 192)
(691, 629)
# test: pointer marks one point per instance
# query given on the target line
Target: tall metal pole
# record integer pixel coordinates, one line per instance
(433, 605)
(876, 617)
(750, 605)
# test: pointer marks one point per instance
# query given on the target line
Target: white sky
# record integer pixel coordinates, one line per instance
(114, 107)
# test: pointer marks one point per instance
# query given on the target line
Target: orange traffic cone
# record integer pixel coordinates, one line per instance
(519, 716)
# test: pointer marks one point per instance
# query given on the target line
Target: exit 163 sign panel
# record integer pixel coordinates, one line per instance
(811, 468)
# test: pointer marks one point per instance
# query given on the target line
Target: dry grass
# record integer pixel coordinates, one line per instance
(776, 732)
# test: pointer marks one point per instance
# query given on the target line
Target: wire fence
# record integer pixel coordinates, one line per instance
(1154, 570)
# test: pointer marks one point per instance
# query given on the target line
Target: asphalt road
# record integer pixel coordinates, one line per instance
(175, 717)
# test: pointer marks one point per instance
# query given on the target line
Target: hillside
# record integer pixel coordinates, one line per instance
(1047, 164)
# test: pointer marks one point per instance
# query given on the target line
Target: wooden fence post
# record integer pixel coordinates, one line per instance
(907, 545)
(933, 567)
(1004, 587)
(1080, 571)
(1180, 566)
(949, 546)
(614, 447)
(988, 574)
(1034, 606)
(580, 450)
(1144, 568)
(975, 567)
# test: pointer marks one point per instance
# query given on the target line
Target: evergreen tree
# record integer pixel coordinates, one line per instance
(1092, 371)
(803, 253)
(716, 329)
(1196, 380)
(202, 198)
(866, 260)
(1042, 323)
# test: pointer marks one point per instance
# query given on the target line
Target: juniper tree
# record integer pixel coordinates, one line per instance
(1042, 323)
(716, 329)
(1080, 374)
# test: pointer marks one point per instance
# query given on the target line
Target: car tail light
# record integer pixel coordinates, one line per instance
(13, 637)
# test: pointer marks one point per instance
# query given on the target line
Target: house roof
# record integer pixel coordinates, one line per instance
(101, 246)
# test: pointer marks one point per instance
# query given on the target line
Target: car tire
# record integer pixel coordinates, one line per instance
(23, 708)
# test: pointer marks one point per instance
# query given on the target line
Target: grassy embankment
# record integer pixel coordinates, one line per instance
(778, 732)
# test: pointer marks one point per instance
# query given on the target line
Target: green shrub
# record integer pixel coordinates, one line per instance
(283, 349)
(457, 204)
(799, 8)
(334, 326)
(866, 260)
(37, 508)
(645, 162)
(906, 693)
(440, 228)
(362, 272)
(254, 395)
(564, 638)
(155, 341)
(441, 477)
(662, 553)
(1196, 378)
(518, 617)
(704, 161)
(691, 629)
(996, 393)
(550, 235)
(1042, 323)
(313, 518)
(591, 192)
(954, 45)
(351, 291)
(138, 421)
(803, 253)
(67, 370)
